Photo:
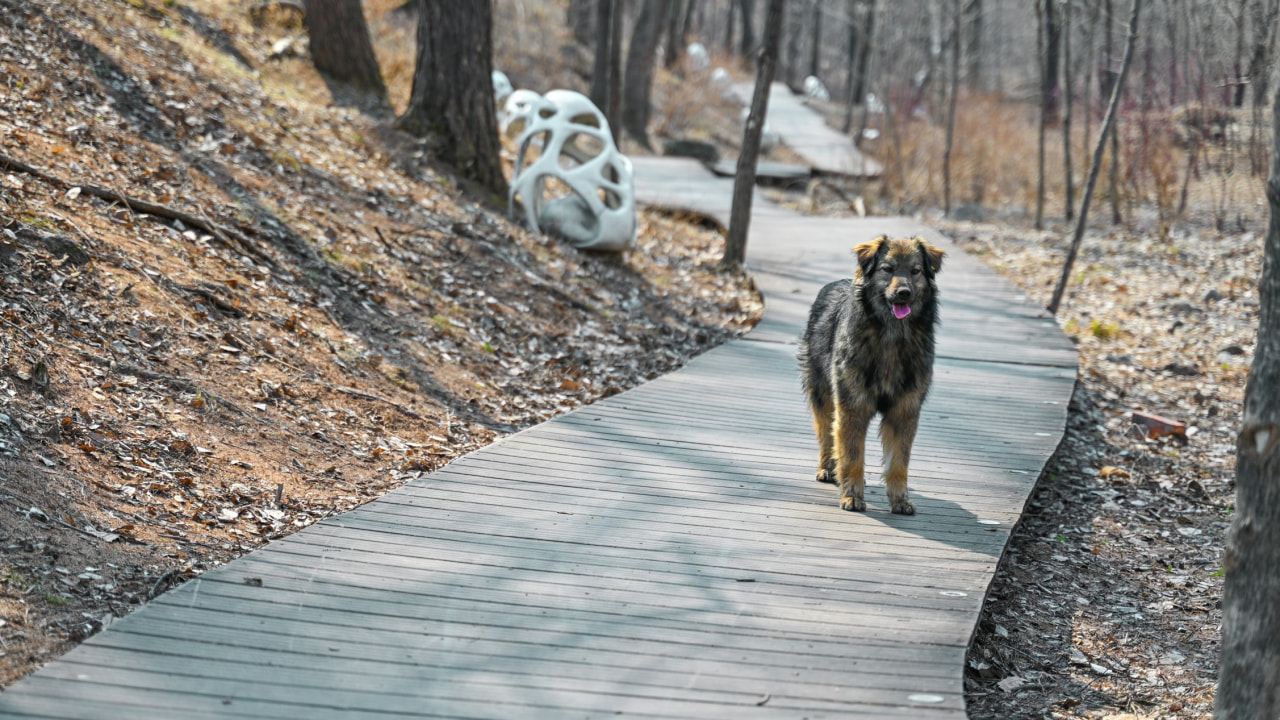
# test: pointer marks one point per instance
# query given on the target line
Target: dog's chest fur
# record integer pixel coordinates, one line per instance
(884, 358)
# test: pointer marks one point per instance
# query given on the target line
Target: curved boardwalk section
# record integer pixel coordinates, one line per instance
(664, 553)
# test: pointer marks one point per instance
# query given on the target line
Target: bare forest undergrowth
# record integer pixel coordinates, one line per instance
(332, 319)
(1107, 604)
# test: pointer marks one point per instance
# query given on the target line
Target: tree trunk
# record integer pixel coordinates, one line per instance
(815, 46)
(581, 21)
(1044, 110)
(1108, 123)
(1235, 87)
(795, 26)
(951, 108)
(601, 82)
(728, 33)
(747, 43)
(640, 67)
(677, 24)
(340, 45)
(606, 75)
(1052, 58)
(1264, 27)
(864, 52)
(744, 182)
(973, 43)
(851, 62)
(1067, 69)
(452, 98)
(1109, 85)
(1249, 671)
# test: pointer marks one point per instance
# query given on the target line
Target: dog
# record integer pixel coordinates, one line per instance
(868, 348)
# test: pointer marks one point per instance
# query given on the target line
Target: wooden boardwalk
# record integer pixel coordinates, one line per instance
(827, 151)
(664, 553)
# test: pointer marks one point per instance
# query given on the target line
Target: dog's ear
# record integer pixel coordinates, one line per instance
(932, 256)
(867, 253)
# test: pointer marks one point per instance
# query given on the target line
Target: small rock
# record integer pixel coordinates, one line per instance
(1181, 369)
(1232, 350)
(1213, 295)
(1120, 358)
(1183, 308)
(1011, 683)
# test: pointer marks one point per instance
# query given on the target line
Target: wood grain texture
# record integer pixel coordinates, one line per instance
(664, 553)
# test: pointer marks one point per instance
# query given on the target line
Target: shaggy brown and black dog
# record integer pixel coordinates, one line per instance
(868, 348)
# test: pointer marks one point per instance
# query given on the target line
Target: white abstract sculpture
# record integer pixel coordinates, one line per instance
(516, 112)
(722, 80)
(501, 86)
(814, 88)
(577, 150)
(699, 58)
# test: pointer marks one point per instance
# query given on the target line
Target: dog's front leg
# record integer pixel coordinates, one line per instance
(849, 429)
(897, 433)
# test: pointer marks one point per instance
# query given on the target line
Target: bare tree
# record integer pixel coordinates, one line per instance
(1109, 82)
(452, 98)
(1249, 671)
(340, 45)
(951, 108)
(640, 67)
(580, 16)
(1044, 109)
(1067, 71)
(855, 42)
(1108, 123)
(1265, 18)
(606, 73)
(815, 41)
(678, 18)
(744, 182)
(747, 43)
(973, 22)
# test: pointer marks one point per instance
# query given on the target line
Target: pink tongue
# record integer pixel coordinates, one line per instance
(901, 310)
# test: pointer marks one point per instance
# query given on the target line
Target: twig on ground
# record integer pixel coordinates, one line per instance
(353, 392)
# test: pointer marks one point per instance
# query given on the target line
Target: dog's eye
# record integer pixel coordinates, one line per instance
(886, 269)
(915, 270)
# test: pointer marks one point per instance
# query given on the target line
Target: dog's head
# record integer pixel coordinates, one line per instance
(900, 271)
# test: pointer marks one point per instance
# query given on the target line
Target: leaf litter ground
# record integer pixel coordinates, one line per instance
(339, 320)
(1107, 604)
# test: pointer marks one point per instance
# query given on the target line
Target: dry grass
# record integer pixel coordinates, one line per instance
(994, 165)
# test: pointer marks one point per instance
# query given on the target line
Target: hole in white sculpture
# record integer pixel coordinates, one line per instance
(611, 199)
(579, 149)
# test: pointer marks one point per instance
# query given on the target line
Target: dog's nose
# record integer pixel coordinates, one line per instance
(902, 294)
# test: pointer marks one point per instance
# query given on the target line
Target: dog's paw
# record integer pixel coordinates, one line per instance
(852, 504)
(902, 506)
(825, 476)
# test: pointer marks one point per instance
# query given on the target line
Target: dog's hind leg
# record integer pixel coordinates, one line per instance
(897, 433)
(822, 426)
(849, 430)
